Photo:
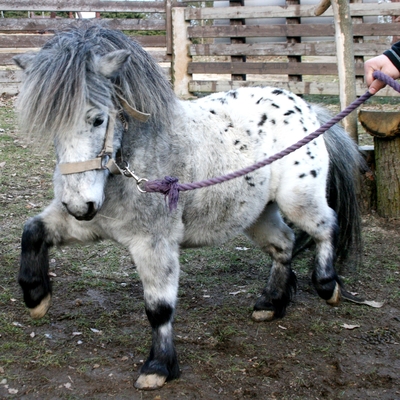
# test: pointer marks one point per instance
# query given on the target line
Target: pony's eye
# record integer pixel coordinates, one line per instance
(98, 122)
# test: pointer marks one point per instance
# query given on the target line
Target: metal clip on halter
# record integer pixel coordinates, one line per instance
(131, 174)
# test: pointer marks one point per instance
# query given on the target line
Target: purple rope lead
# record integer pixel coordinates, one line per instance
(170, 187)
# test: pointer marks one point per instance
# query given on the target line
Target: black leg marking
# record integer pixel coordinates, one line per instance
(278, 298)
(325, 287)
(34, 265)
(162, 360)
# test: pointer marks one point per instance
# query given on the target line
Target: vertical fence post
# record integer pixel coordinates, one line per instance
(237, 77)
(293, 39)
(180, 57)
(168, 23)
(345, 58)
(359, 60)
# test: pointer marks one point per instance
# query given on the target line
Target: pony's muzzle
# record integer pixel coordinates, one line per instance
(83, 213)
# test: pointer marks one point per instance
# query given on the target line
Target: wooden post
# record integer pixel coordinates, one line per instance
(345, 58)
(385, 128)
(237, 77)
(168, 23)
(358, 60)
(180, 58)
(293, 39)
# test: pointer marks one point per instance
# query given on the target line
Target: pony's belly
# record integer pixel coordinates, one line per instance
(218, 221)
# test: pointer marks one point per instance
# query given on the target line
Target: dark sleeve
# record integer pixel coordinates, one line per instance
(394, 55)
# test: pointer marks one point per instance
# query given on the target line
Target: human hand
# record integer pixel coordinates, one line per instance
(379, 63)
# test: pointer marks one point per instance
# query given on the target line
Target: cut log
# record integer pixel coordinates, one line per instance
(380, 123)
(384, 127)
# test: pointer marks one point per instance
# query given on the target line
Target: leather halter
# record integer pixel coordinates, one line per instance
(104, 160)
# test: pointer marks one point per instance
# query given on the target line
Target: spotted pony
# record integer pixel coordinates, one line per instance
(71, 92)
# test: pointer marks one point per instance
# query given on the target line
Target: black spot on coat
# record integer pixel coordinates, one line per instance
(288, 113)
(263, 119)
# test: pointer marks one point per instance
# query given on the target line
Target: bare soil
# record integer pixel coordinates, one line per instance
(96, 336)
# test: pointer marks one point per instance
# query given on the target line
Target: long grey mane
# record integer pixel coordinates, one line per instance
(61, 79)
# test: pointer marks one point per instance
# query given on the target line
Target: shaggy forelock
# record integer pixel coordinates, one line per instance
(62, 78)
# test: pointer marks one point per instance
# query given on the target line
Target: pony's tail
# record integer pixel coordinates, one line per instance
(346, 163)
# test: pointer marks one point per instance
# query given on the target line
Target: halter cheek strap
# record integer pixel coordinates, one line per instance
(104, 160)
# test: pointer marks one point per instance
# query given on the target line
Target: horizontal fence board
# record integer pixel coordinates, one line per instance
(10, 81)
(266, 68)
(51, 24)
(23, 41)
(283, 49)
(10, 76)
(6, 58)
(280, 30)
(83, 5)
(9, 88)
(293, 86)
(356, 10)
(160, 56)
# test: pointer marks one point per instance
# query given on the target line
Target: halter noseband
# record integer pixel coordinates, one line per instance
(104, 160)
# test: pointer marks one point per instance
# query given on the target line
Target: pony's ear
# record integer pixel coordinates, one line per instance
(111, 63)
(23, 60)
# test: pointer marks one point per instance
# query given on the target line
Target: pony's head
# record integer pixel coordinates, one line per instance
(70, 94)
(79, 111)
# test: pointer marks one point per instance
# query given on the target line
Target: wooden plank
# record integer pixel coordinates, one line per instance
(287, 11)
(159, 55)
(23, 41)
(325, 88)
(283, 49)
(9, 88)
(7, 58)
(83, 5)
(14, 77)
(263, 68)
(37, 25)
(10, 75)
(312, 30)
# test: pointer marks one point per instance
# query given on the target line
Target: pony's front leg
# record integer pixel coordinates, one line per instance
(157, 262)
(52, 227)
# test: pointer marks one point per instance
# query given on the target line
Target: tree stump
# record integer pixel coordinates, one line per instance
(385, 128)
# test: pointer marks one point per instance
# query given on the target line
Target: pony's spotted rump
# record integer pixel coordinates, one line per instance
(71, 88)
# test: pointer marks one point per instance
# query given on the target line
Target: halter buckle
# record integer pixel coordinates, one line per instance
(105, 158)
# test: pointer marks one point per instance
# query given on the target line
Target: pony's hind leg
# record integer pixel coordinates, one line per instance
(319, 221)
(275, 238)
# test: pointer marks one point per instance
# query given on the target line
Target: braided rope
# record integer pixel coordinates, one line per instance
(170, 187)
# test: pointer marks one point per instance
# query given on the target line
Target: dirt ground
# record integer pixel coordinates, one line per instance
(96, 336)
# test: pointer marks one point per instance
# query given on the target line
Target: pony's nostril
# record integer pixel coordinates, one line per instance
(91, 209)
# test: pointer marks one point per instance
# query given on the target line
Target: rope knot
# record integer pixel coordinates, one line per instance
(169, 187)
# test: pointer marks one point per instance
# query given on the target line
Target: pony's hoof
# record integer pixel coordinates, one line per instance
(150, 382)
(263, 315)
(41, 310)
(335, 299)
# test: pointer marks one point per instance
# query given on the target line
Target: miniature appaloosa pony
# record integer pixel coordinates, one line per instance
(100, 98)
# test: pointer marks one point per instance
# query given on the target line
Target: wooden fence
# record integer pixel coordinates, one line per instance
(208, 49)
(303, 57)
(25, 34)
